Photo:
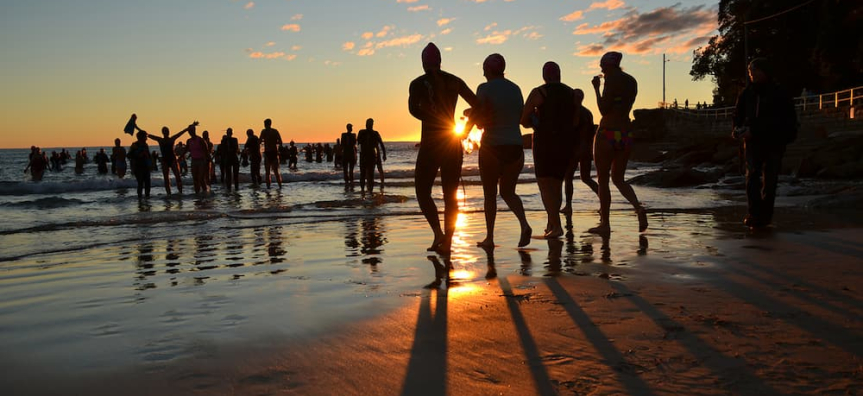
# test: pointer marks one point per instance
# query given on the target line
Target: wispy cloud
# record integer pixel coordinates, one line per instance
(490, 27)
(574, 16)
(292, 27)
(272, 55)
(349, 45)
(297, 17)
(446, 31)
(500, 37)
(608, 5)
(495, 37)
(270, 44)
(406, 1)
(296, 48)
(384, 31)
(444, 21)
(249, 5)
(419, 8)
(666, 29)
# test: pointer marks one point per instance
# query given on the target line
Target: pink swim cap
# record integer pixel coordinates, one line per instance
(551, 72)
(494, 64)
(431, 55)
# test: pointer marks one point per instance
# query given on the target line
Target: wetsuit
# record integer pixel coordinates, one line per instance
(553, 137)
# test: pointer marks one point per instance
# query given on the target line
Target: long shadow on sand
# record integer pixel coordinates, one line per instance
(426, 374)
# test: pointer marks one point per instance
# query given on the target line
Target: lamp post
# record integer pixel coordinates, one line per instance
(663, 79)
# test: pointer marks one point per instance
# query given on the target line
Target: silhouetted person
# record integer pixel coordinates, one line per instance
(501, 155)
(101, 159)
(211, 166)
(293, 155)
(79, 162)
(200, 157)
(37, 164)
(582, 160)
(253, 148)
(349, 154)
(549, 111)
(613, 143)
(180, 151)
(169, 158)
(370, 144)
(118, 157)
(337, 154)
(272, 140)
(139, 156)
(432, 100)
(766, 121)
(230, 149)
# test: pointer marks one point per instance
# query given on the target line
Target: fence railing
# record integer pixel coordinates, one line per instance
(837, 100)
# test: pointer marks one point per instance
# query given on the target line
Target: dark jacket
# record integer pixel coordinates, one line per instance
(768, 110)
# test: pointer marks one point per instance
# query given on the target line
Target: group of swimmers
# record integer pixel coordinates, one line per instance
(564, 139)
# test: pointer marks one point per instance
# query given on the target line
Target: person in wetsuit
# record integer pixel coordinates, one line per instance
(169, 159)
(432, 99)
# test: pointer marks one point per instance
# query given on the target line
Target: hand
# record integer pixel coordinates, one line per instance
(384, 157)
(595, 82)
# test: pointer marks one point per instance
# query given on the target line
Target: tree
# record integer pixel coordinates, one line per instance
(813, 44)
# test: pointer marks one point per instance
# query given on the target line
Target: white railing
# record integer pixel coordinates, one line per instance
(838, 100)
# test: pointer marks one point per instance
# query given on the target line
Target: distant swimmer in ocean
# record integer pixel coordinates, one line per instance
(370, 145)
(549, 111)
(200, 156)
(118, 158)
(272, 140)
(79, 162)
(349, 154)
(432, 99)
(293, 156)
(169, 157)
(613, 144)
(211, 166)
(230, 149)
(337, 154)
(101, 159)
(37, 164)
(253, 149)
(582, 161)
(132, 125)
(501, 155)
(139, 156)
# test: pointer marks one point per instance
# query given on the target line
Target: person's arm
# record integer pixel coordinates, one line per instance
(534, 100)
(383, 148)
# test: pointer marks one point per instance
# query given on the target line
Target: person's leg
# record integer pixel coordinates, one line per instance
(508, 181)
(175, 167)
(345, 170)
(568, 187)
(772, 167)
(236, 169)
(585, 162)
(489, 173)
(450, 174)
(139, 179)
(550, 189)
(268, 164)
(363, 175)
(603, 154)
(754, 172)
(277, 173)
(370, 174)
(146, 184)
(381, 171)
(618, 169)
(424, 175)
(166, 174)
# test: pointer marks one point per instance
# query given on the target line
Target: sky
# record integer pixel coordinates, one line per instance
(72, 72)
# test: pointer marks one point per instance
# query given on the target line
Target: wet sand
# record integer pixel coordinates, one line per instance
(697, 305)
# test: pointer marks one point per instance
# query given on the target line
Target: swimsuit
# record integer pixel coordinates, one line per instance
(619, 140)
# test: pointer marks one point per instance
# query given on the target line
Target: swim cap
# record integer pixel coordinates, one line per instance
(431, 55)
(551, 72)
(611, 58)
(494, 64)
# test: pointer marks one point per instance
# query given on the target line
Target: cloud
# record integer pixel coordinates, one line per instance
(249, 5)
(403, 41)
(271, 55)
(419, 8)
(293, 27)
(666, 29)
(331, 63)
(495, 38)
(574, 16)
(444, 21)
(296, 48)
(367, 35)
(348, 46)
(491, 26)
(608, 5)
(406, 1)
(384, 31)
(446, 31)
(270, 44)
(297, 17)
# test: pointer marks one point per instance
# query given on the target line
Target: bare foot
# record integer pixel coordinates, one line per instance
(602, 229)
(438, 240)
(486, 244)
(525, 237)
(554, 233)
